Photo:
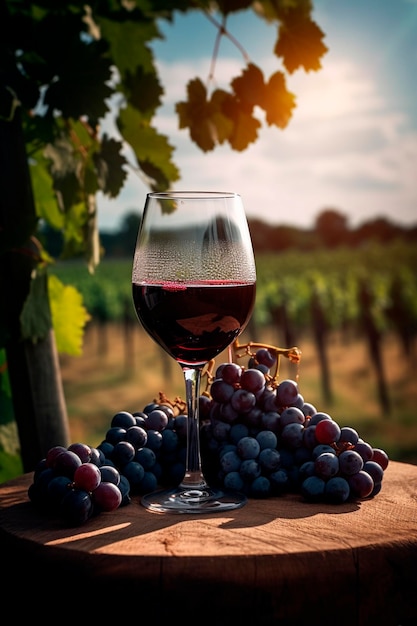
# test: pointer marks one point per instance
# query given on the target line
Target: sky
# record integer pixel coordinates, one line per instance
(351, 144)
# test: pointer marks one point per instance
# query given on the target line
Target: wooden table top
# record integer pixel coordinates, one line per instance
(360, 547)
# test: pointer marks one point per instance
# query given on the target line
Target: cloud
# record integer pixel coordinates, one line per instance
(344, 148)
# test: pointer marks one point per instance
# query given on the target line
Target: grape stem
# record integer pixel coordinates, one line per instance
(250, 348)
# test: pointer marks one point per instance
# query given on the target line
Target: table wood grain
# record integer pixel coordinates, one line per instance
(273, 562)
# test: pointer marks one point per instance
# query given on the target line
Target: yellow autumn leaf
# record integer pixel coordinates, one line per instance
(69, 316)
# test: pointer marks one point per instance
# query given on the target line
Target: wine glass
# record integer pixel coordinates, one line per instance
(193, 287)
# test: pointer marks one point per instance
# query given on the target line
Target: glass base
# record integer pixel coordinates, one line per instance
(192, 500)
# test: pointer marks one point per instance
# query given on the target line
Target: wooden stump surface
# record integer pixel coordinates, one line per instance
(274, 561)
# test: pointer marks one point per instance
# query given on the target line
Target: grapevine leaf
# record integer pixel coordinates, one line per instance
(82, 86)
(63, 169)
(223, 125)
(47, 207)
(128, 42)
(152, 150)
(195, 113)
(245, 131)
(69, 316)
(279, 103)
(271, 10)
(245, 126)
(143, 90)
(231, 6)
(250, 86)
(109, 163)
(300, 43)
(207, 120)
(35, 319)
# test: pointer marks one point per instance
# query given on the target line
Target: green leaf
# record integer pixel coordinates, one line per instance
(82, 85)
(143, 91)
(69, 316)
(35, 318)
(279, 103)
(231, 6)
(128, 42)
(47, 207)
(300, 43)
(109, 164)
(152, 150)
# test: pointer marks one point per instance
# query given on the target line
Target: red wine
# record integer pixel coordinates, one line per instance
(194, 323)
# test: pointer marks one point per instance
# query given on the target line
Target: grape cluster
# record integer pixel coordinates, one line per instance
(140, 451)
(257, 436)
(265, 440)
(76, 483)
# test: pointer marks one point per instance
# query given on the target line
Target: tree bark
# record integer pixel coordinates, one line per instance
(33, 368)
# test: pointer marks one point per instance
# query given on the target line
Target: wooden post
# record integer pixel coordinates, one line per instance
(38, 400)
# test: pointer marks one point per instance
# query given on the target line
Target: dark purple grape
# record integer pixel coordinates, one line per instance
(157, 420)
(146, 457)
(292, 435)
(52, 454)
(58, 488)
(107, 497)
(115, 434)
(350, 462)
(380, 457)
(260, 487)
(134, 472)
(234, 481)
(267, 439)
(243, 401)
(123, 452)
(292, 415)
(265, 357)
(361, 484)
(287, 392)
(326, 465)
(65, 463)
(109, 474)
(374, 470)
(318, 417)
(337, 490)
(123, 419)
(221, 391)
(137, 436)
(249, 470)
(87, 476)
(269, 459)
(83, 451)
(327, 431)
(248, 448)
(76, 507)
(364, 449)
(252, 380)
(348, 435)
(231, 373)
(312, 488)
(124, 487)
(230, 462)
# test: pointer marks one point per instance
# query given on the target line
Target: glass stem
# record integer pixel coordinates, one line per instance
(193, 473)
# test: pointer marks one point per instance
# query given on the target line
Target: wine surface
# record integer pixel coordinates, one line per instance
(194, 322)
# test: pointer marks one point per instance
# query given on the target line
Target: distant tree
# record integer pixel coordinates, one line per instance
(332, 228)
(379, 229)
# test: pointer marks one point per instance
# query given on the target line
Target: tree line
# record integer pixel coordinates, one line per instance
(331, 230)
